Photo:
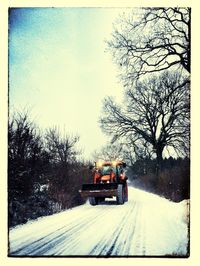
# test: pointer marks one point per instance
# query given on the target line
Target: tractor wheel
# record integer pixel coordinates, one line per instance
(126, 192)
(93, 201)
(120, 194)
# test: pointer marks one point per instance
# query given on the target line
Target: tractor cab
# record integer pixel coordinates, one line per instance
(109, 171)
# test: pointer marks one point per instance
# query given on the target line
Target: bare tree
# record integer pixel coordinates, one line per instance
(127, 150)
(156, 112)
(28, 164)
(44, 174)
(137, 149)
(153, 40)
(25, 155)
(62, 148)
(109, 152)
(63, 153)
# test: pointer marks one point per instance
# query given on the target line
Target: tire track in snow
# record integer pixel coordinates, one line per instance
(128, 232)
(25, 238)
(136, 228)
(69, 235)
(70, 243)
(46, 243)
(138, 241)
(108, 244)
(81, 238)
(114, 249)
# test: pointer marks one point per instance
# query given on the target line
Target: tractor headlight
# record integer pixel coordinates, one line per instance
(99, 164)
(114, 163)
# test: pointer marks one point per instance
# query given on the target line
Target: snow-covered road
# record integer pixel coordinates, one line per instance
(147, 225)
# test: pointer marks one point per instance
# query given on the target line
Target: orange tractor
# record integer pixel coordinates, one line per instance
(109, 180)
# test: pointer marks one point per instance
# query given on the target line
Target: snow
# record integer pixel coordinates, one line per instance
(147, 225)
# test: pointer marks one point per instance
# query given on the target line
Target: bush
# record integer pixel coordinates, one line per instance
(44, 175)
(173, 182)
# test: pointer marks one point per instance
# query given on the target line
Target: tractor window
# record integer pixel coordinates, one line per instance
(106, 170)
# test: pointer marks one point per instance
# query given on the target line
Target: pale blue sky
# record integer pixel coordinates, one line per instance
(59, 69)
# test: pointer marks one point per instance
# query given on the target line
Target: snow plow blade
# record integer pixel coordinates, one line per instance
(99, 190)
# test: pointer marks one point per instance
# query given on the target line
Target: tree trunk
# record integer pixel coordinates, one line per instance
(159, 159)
